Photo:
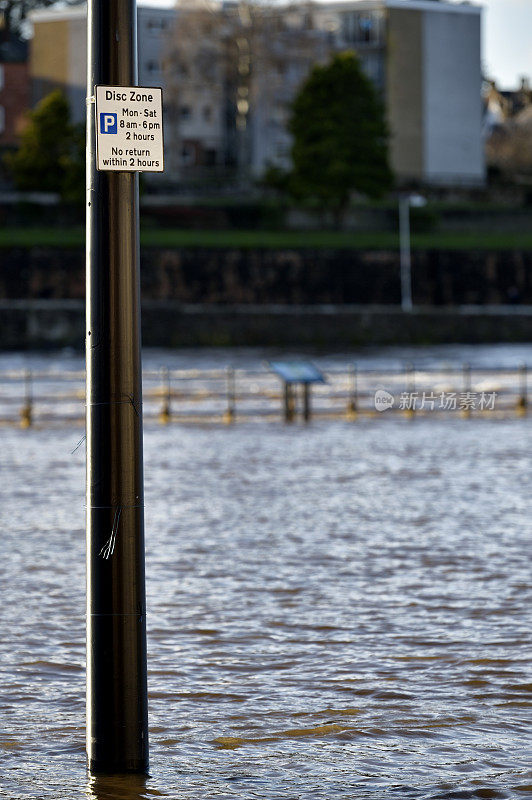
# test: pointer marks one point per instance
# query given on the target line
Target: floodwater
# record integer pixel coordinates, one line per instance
(340, 610)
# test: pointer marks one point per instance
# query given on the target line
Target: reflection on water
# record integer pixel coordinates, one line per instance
(341, 610)
(119, 787)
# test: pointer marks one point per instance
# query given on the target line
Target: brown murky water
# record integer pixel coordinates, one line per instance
(341, 610)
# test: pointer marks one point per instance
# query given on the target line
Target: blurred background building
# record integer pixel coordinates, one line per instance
(14, 88)
(231, 70)
(58, 52)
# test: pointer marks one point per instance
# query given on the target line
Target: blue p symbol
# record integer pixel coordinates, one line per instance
(108, 123)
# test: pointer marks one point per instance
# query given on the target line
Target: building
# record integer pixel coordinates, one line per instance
(58, 52)
(508, 131)
(501, 105)
(422, 55)
(14, 90)
(433, 91)
(230, 71)
(230, 74)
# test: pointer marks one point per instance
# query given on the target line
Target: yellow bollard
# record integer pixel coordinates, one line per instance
(352, 404)
(165, 413)
(26, 416)
(26, 412)
(230, 413)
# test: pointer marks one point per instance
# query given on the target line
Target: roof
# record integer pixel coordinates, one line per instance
(524, 118)
(80, 12)
(461, 7)
(436, 5)
(52, 14)
(410, 5)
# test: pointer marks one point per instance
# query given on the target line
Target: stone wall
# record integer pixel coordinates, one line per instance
(61, 323)
(239, 276)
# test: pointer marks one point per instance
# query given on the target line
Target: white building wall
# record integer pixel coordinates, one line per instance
(153, 27)
(453, 146)
(77, 66)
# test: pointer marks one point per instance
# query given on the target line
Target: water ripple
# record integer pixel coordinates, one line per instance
(337, 611)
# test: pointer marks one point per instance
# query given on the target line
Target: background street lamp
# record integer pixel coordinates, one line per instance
(405, 202)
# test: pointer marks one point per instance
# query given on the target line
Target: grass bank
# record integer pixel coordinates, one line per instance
(245, 239)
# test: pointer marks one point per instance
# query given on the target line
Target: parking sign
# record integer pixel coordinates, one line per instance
(129, 129)
(108, 123)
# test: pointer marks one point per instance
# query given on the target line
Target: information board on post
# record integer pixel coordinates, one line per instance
(297, 371)
(129, 129)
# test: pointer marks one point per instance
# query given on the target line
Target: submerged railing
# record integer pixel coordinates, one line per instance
(233, 395)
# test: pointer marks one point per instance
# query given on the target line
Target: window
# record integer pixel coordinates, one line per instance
(278, 117)
(185, 112)
(154, 24)
(361, 27)
(282, 150)
(207, 113)
(169, 111)
(188, 155)
(366, 27)
(153, 66)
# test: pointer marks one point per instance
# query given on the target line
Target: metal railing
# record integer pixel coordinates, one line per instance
(231, 395)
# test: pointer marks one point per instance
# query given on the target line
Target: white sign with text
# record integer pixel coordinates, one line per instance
(129, 129)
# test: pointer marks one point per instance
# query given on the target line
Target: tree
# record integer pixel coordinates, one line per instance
(339, 136)
(238, 59)
(14, 12)
(51, 155)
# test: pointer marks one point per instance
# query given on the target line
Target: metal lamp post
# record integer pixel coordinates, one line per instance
(405, 202)
(117, 709)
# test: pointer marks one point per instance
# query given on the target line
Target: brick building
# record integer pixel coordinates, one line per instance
(14, 90)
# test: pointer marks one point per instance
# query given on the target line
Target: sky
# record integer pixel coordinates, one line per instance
(507, 39)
